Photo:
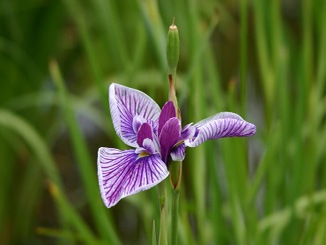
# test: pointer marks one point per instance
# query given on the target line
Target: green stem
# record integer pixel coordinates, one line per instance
(175, 178)
(172, 93)
(174, 215)
(175, 169)
(162, 200)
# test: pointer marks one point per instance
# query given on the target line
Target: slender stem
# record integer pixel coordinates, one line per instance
(174, 213)
(154, 242)
(172, 93)
(162, 199)
(175, 169)
(175, 177)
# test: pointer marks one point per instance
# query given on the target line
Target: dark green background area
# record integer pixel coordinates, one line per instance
(265, 60)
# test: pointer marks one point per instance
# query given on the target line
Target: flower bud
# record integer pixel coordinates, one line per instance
(172, 48)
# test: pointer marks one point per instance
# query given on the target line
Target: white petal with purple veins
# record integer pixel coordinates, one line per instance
(225, 124)
(122, 173)
(126, 104)
(221, 115)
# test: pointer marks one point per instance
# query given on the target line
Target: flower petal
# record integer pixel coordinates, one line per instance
(188, 132)
(178, 153)
(126, 104)
(168, 111)
(150, 146)
(122, 173)
(144, 132)
(169, 136)
(137, 121)
(225, 124)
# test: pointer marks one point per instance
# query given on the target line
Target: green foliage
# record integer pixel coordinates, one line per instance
(265, 60)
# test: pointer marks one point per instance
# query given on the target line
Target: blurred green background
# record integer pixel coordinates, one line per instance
(265, 60)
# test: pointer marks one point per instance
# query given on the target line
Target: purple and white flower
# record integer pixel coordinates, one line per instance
(157, 137)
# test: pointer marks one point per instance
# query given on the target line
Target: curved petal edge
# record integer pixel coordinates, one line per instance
(126, 104)
(225, 124)
(122, 173)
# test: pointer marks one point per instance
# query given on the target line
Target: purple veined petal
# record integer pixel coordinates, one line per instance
(221, 125)
(179, 152)
(169, 136)
(221, 115)
(122, 173)
(126, 104)
(168, 111)
(144, 132)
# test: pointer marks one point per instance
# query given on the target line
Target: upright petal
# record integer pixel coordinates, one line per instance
(169, 136)
(225, 124)
(168, 111)
(126, 104)
(122, 173)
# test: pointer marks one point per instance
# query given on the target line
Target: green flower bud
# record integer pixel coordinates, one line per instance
(172, 47)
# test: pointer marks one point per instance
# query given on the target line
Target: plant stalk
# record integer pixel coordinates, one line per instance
(176, 173)
(162, 200)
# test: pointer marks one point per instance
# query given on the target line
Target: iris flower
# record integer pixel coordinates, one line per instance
(157, 137)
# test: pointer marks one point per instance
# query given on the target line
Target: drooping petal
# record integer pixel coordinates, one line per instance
(168, 111)
(144, 132)
(169, 136)
(225, 124)
(178, 153)
(122, 173)
(126, 104)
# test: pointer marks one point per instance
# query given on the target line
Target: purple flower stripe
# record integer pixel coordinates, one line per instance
(220, 128)
(122, 173)
(221, 115)
(125, 104)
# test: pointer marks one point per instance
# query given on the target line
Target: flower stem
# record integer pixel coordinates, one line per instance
(175, 177)
(175, 167)
(162, 200)
(175, 209)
